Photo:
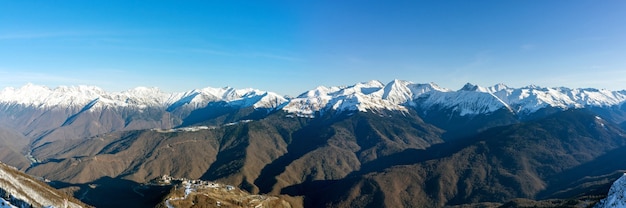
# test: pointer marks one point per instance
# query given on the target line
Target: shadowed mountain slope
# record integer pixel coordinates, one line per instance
(12, 146)
(503, 163)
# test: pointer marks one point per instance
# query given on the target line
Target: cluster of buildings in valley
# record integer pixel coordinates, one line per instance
(168, 180)
(185, 129)
(197, 128)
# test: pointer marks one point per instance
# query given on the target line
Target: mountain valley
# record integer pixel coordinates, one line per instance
(371, 144)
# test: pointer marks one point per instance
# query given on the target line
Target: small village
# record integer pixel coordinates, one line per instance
(200, 184)
(184, 129)
(189, 193)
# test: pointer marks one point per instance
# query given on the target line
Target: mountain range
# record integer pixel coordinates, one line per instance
(372, 95)
(399, 144)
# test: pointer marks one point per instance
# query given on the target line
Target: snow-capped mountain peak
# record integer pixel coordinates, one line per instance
(362, 96)
(469, 100)
(319, 91)
(472, 87)
(143, 91)
(404, 92)
(237, 97)
(140, 97)
(397, 95)
(498, 87)
(41, 96)
(365, 88)
(532, 98)
(398, 91)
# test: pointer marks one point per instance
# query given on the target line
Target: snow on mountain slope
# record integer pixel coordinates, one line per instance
(6, 204)
(25, 189)
(140, 97)
(396, 95)
(80, 96)
(43, 97)
(311, 101)
(617, 195)
(235, 97)
(404, 92)
(469, 100)
(532, 98)
(361, 96)
(252, 97)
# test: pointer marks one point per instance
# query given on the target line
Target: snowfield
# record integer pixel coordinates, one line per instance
(617, 195)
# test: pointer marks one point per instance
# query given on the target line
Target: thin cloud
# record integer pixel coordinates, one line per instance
(246, 54)
(30, 36)
(603, 79)
(275, 56)
(41, 35)
(113, 40)
(528, 47)
(104, 35)
(480, 59)
(212, 52)
(355, 60)
(19, 77)
(590, 39)
(144, 49)
(32, 77)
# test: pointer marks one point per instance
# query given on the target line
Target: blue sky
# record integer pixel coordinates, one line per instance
(292, 46)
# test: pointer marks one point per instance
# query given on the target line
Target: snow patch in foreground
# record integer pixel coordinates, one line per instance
(617, 195)
(5, 204)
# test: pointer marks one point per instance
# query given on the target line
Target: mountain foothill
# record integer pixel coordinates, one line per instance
(399, 144)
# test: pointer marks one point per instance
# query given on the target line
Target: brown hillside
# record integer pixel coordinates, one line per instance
(501, 164)
(32, 192)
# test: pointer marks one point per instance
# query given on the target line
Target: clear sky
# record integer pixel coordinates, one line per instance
(289, 47)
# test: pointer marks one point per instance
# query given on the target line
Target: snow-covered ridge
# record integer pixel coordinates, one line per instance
(397, 95)
(140, 97)
(372, 95)
(469, 100)
(532, 98)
